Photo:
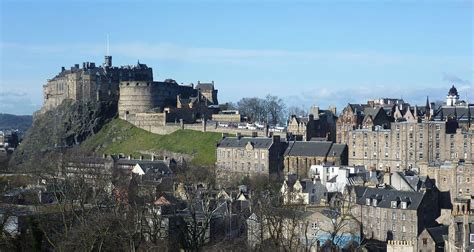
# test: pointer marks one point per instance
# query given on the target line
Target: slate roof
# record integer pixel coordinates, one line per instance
(257, 142)
(386, 196)
(148, 166)
(337, 149)
(437, 233)
(462, 113)
(309, 149)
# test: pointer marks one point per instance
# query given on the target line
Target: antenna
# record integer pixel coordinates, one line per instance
(107, 45)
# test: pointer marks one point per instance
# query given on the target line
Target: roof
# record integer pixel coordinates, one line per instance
(386, 196)
(257, 142)
(437, 233)
(309, 149)
(337, 149)
(148, 166)
(462, 113)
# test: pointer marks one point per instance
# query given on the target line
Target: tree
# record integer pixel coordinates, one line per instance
(271, 109)
(274, 107)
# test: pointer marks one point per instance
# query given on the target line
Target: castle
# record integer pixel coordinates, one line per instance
(139, 98)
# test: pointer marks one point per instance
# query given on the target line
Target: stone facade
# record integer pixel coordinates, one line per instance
(455, 177)
(91, 83)
(300, 156)
(409, 145)
(239, 157)
(320, 124)
(388, 214)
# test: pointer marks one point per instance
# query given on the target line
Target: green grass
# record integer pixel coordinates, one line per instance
(119, 136)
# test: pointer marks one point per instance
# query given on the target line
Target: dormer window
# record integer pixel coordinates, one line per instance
(374, 202)
(404, 205)
(367, 201)
(394, 204)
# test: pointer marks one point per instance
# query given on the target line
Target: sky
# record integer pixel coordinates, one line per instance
(307, 52)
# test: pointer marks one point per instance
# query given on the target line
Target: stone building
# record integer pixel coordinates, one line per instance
(91, 82)
(300, 156)
(454, 177)
(239, 157)
(433, 239)
(388, 214)
(155, 102)
(407, 145)
(320, 124)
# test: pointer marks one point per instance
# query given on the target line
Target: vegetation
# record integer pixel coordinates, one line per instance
(119, 136)
(64, 126)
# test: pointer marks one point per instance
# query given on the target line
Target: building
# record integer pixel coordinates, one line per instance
(91, 82)
(300, 156)
(388, 214)
(433, 239)
(146, 103)
(408, 145)
(454, 177)
(302, 192)
(239, 157)
(320, 124)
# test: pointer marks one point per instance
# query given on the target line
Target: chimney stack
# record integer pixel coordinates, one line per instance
(238, 135)
(152, 157)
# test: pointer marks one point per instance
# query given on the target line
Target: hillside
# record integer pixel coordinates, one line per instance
(20, 122)
(64, 126)
(119, 136)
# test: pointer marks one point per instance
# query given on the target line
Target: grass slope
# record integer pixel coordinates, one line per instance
(119, 136)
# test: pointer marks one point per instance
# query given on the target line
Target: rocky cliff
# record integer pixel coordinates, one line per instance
(67, 125)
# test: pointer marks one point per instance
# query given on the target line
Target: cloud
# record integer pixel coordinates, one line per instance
(454, 79)
(340, 97)
(170, 51)
(18, 103)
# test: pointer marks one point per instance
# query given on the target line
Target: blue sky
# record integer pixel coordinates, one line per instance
(308, 52)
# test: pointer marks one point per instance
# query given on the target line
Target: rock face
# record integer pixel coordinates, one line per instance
(64, 126)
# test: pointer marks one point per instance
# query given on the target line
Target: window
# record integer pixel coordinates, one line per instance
(394, 204)
(471, 238)
(421, 145)
(353, 153)
(256, 155)
(367, 201)
(403, 216)
(420, 155)
(425, 241)
(394, 216)
(403, 229)
(404, 205)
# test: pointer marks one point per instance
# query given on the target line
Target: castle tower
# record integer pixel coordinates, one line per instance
(452, 97)
(108, 61)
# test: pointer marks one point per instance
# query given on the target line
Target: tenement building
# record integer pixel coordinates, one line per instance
(388, 214)
(239, 157)
(409, 145)
(455, 177)
(300, 156)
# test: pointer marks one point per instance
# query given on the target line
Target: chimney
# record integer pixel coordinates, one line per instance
(238, 135)
(104, 155)
(152, 157)
(276, 138)
(129, 157)
(63, 69)
(141, 157)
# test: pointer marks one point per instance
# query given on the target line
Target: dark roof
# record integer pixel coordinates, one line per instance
(309, 149)
(453, 91)
(337, 149)
(386, 196)
(358, 108)
(257, 142)
(437, 233)
(148, 166)
(461, 113)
